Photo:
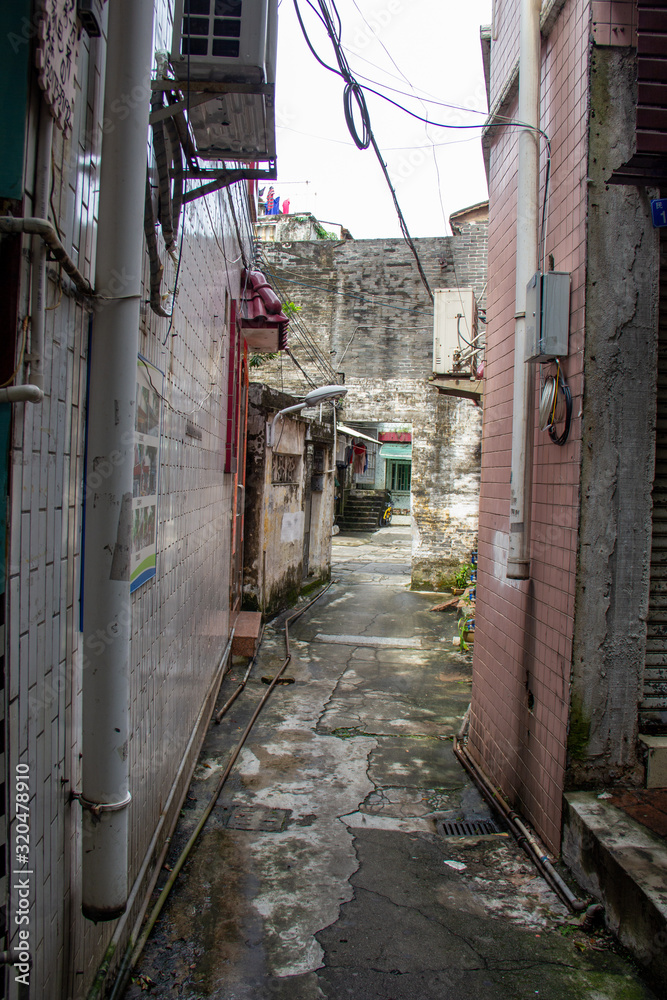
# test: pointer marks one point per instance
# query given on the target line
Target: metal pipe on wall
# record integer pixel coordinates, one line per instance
(107, 612)
(47, 232)
(21, 394)
(518, 558)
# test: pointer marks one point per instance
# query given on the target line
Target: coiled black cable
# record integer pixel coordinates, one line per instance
(353, 90)
(560, 439)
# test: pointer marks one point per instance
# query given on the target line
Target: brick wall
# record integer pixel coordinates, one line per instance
(365, 307)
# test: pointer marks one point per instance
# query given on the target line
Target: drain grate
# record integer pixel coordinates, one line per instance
(467, 828)
(259, 818)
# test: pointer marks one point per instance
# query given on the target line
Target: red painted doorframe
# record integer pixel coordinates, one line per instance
(235, 455)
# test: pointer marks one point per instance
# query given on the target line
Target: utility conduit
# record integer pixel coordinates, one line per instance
(107, 604)
(518, 559)
(21, 394)
(230, 701)
(521, 833)
(46, 231)
(98, 985)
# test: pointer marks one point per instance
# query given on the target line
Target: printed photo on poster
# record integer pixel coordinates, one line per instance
(146, 473)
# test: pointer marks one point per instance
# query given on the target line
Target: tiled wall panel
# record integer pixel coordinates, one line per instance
(523, 646)
(181, 618)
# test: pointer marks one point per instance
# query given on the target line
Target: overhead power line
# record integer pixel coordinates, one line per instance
(353, 96)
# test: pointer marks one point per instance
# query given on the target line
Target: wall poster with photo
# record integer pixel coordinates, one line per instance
(150, 383)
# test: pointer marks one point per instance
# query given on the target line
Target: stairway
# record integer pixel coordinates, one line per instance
(363, 510)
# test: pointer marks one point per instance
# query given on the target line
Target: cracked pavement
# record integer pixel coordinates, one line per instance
(347, 893)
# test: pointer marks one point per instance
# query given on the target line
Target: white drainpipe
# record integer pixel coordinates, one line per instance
(518, 560)
(111, 421)
(21, 394)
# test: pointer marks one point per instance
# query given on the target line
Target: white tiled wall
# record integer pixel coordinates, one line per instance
(181, 618)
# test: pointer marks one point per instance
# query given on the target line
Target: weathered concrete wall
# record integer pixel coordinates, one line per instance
(445, 468)
(278, 485)
(364, 304)
(619, 432)
(320, 461)
(301, 226)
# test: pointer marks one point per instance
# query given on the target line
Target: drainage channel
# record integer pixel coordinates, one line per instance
(468, 828)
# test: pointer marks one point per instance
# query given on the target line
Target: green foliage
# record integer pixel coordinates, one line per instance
(461, 575)
(462, 630)
(257, 360)
(323, 234)
(290, 309)
(464, 624)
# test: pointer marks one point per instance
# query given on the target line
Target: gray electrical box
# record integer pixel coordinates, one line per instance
(548, 316)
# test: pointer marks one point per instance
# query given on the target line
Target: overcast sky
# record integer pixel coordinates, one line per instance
(435, 46)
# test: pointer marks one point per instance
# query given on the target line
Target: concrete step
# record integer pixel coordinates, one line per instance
(622, 864)
(247, 627)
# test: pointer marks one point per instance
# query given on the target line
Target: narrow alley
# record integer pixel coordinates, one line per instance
(323, 870)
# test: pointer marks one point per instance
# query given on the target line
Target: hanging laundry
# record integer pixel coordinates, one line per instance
(349, 454)
(359, 459)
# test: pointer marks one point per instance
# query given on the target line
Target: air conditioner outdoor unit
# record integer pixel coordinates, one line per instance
(221, 40)
(454, 330)
(231, 43)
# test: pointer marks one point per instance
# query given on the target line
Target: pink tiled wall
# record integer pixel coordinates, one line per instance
(614, 22)
(523, 645)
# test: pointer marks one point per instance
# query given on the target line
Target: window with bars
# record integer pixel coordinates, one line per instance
(211, 27)
(399, 475)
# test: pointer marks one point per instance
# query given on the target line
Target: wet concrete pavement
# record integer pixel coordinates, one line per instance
(323, 871)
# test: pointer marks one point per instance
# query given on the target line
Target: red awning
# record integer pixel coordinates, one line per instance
(261, 318)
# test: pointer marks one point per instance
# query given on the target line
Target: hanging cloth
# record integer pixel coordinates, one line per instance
(359, 459)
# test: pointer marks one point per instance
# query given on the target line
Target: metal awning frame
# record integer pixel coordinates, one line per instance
(457, 385)
(351, 432)
(201, 92)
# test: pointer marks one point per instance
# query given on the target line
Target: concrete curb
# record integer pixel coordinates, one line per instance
(622, 864)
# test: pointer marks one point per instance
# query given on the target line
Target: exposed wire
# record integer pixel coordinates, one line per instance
(387, 149)
(51, 193)
(294, 361)
(180, 242)
(385, 303)
(319, 360)
(561, 384)
(221, 247)
(545, 205)
(60, 291)
(353, 93)
(421, 101)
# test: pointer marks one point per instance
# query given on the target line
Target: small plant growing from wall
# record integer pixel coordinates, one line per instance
(461, 576)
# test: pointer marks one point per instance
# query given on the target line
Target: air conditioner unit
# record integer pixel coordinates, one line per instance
(231, 43)
(225, 40)
(454, 330)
